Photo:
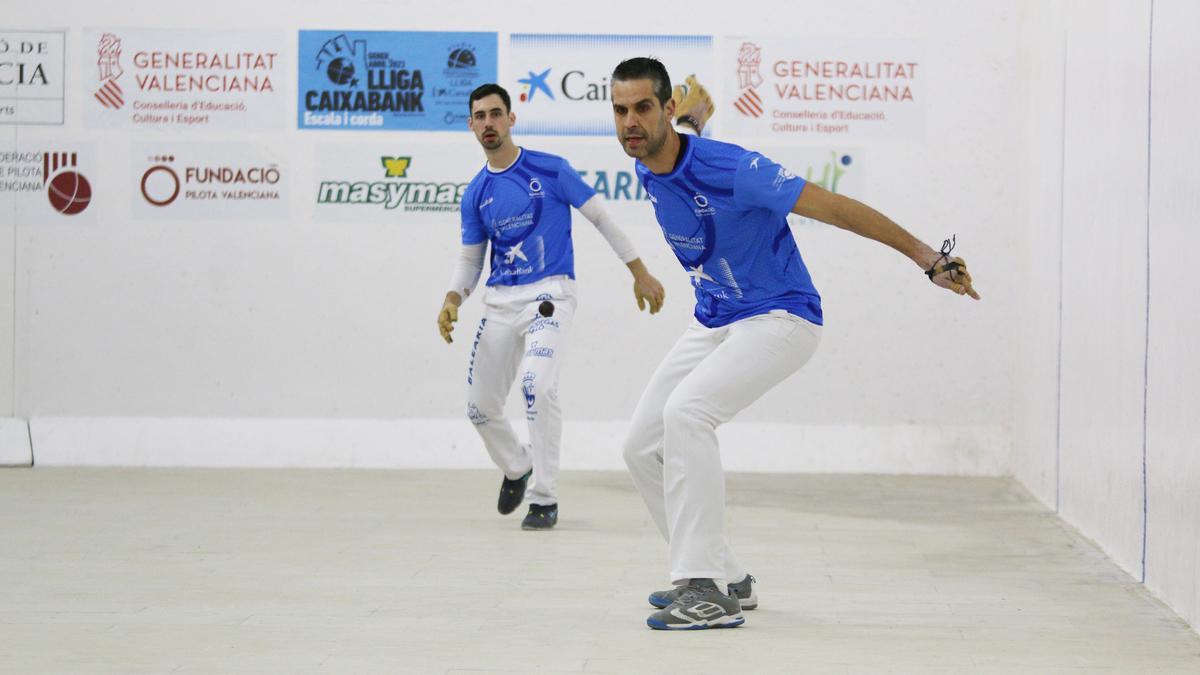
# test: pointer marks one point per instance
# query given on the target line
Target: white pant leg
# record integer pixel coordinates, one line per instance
(757, 353)
(545, 344)
(643, 447)
(495, 354)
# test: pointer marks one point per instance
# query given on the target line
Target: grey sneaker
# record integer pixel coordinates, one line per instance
(743, 590)
(699, 605)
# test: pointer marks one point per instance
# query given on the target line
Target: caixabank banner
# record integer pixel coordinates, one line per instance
(388, 80)
(561, 84)
(177, 80)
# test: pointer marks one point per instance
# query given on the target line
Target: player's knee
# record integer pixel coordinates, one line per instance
(636, 452)
(682, 408)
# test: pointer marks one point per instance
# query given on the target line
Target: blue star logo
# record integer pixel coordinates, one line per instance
(537, 83)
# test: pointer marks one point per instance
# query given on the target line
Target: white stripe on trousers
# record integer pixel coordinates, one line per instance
(513, 337)
(709, 376)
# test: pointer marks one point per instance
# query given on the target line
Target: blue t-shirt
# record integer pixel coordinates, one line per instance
(723, 210)
(525, 212)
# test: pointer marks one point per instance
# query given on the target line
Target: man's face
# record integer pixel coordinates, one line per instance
(491, 121)
(642, 122)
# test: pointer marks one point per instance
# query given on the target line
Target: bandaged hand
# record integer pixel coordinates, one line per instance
(692, 100)
(446, 319)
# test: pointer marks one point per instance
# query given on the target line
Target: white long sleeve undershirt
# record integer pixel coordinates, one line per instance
(470, 259)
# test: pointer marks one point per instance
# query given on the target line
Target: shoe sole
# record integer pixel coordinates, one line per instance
(530, 528)
(658, 602)
(726, 622)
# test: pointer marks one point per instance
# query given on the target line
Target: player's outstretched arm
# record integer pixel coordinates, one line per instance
(849, 214)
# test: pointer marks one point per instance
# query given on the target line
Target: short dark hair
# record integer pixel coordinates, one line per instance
(645, 68)
(488, 89)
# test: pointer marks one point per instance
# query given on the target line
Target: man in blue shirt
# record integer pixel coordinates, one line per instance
(723, 210)
(520, 203)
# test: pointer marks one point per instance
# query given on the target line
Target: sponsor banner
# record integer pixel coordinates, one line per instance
(411, 182)
(561, 85)
(32, 72)
(208, 181)
(174, 80)
(375, 80)
(807, 90)
(49, 183)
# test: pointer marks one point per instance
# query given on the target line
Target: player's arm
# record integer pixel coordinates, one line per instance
(646, 288)
(466, 277)
(849, 214)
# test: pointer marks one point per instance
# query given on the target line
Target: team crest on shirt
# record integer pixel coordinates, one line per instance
(535, 189)
(702, 205)
(782, 177)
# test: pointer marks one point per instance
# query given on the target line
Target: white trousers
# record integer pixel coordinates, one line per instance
(514, 337)
(709, 376)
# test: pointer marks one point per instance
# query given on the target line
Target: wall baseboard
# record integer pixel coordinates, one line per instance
(453, 444)
(14, 443)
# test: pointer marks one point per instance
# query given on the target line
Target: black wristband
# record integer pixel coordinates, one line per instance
(690, 121)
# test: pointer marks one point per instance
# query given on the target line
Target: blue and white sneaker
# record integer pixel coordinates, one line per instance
(699, 605)
(742, 590)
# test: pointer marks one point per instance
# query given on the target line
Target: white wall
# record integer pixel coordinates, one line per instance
(1036, 327)
(1104, 275)
(1110, 439)
(14, 435)
(246, 320)
(1173, 428)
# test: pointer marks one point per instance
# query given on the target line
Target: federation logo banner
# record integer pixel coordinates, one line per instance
(50, 182)
(560, 84)
(176, 80)
(800, 89)
(377, 80)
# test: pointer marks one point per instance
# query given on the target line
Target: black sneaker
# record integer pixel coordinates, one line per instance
(742, 590)
(512, 493)
(699, 605)
(541, 517)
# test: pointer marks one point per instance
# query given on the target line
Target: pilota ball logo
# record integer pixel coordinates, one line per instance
(340, 71)
(69, 193)
(462, 57)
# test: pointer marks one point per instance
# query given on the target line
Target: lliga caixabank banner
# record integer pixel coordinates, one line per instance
(812, 90)
(32, 74)
(176, 80)
(390, 80)
(561, 85)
